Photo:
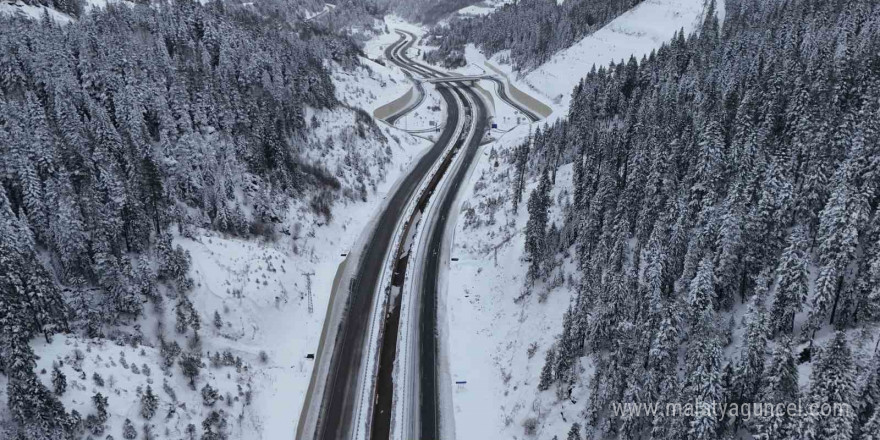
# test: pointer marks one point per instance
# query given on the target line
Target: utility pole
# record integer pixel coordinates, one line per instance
(309, 291)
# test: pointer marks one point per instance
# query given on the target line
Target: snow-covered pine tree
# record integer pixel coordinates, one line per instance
(791, 291)
(149, 403)
(536, 227)
(753, 351)
(59, 380)
(547, 378)
(779, 386)
(832, 386)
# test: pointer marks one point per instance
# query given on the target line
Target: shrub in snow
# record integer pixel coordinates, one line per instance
(218, 322)
(95, 422)
(214, 426)
(191, 432)
(169, 391)
(99, 381)
(530, 426)
(191, 365)
(263, 356)
(533, 347)
(128, 430)
(209, 395)
(195, 342)
(575, 432)
(148, 432)
(59, 381)
(149, 403)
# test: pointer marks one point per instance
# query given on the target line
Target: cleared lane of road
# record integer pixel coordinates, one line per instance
(340, 385)
(425, 424)
(334, 415)
(392, 54)
(502, 90)
(335, 419)
(381, 422)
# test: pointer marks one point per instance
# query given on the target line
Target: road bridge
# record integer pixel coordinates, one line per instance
(451, 79)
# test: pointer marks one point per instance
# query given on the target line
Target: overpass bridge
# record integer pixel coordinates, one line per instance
(452, 79)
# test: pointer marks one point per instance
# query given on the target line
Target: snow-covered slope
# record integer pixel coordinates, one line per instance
(636, 32)
(498, 337)
(496, 341)
(261, 302)
(17, 8)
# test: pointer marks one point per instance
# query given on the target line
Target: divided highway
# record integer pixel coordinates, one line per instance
(333, 407)
(392, 53)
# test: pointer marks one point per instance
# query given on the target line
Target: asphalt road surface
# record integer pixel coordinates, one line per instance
(340, 393)
(392, 53)
(339, 400)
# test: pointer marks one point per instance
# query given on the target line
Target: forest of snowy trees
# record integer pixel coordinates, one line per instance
(532, 30)
(74, 8)
(128, 125)
(425, 11)
(736, 169)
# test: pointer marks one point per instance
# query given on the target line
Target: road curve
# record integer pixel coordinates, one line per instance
(339, 397)
(392, 54)
(427, 421)
(502, 90)
(335, 417)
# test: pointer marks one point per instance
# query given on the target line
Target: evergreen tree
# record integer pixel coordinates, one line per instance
(191, 365)
(128, 430)
(536, 227)
(869, 398)
(704, 377)
(750, 367)
(521, 160)
(791, 292)
(59, 380)
(779, 386)
(547, 371)
(871, 429)
(149, 403)
(218, 322)
(831, 385)
(702, 296)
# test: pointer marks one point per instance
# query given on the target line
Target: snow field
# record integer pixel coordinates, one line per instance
(636, 32)
(490, 332)
(17, 8)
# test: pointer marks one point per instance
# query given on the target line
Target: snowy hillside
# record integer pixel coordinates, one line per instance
(20, 9)
(570, 305)
(195, 327)
(635, 33)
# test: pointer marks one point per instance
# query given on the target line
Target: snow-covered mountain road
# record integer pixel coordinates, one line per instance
(360, 388)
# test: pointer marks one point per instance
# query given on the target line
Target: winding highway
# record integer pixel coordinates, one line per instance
(392, 53)
(334, 407)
